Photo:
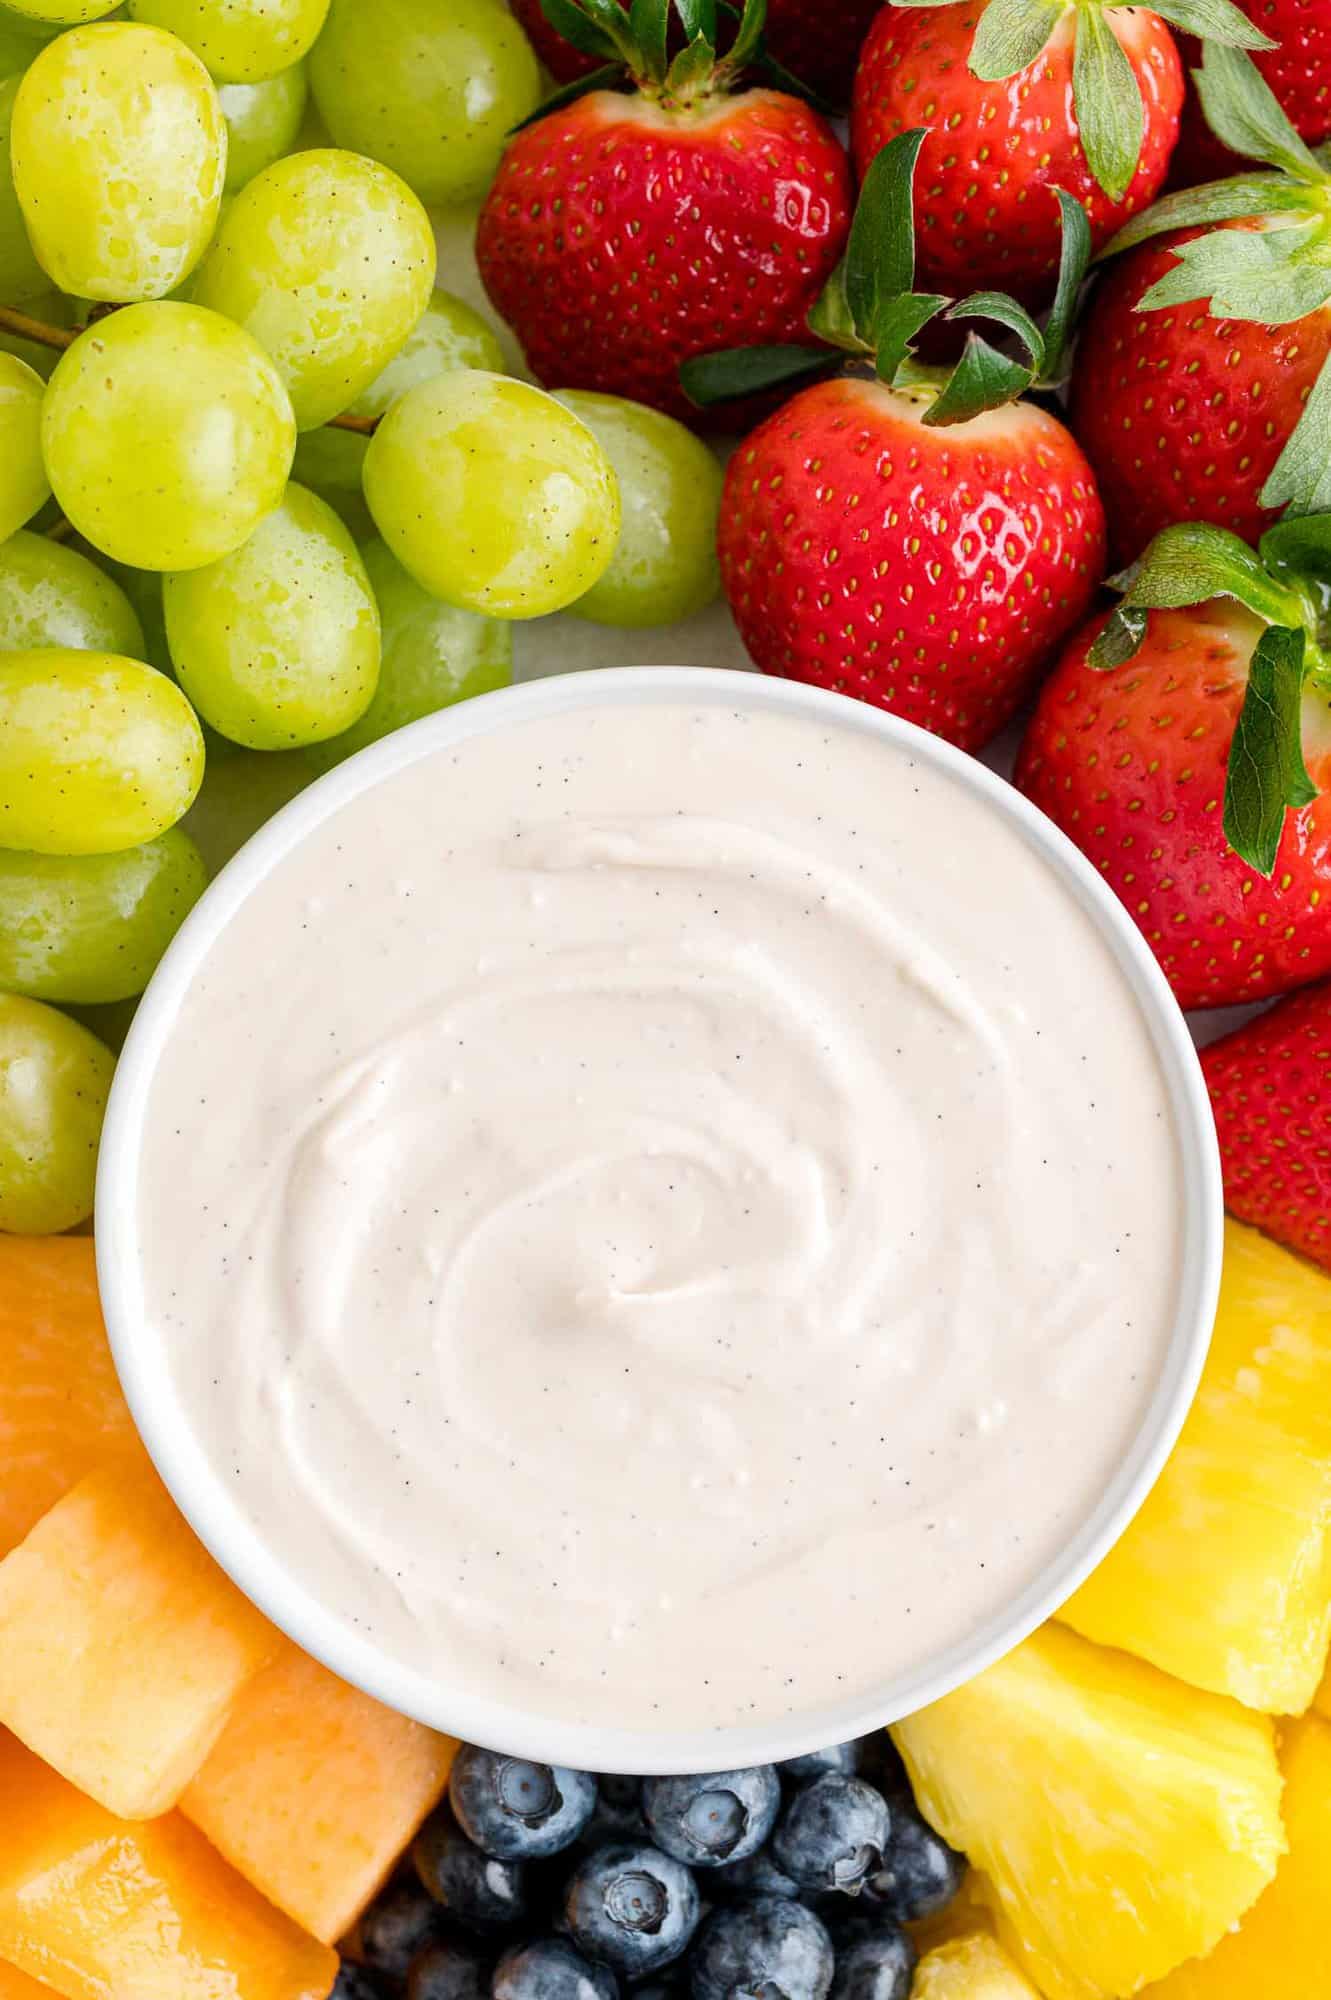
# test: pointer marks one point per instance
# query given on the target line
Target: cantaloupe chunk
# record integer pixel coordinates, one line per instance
(973, 1967)
(16, 1985)
(313, 1790)
(61, 1410)
(1279, 1950)
(104, 1909)
(122, 1644)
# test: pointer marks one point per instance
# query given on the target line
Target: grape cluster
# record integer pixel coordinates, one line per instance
(217, 270)
(537, 1883)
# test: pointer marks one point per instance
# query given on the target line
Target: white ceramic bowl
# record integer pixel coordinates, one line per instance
(202, 1495)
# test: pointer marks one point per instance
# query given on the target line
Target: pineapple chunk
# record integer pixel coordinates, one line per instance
(970, 1968)
(102, 1909)
(1279, 1951)
(1224, 1578)
(122, 1645)
(16, 1985)
(1122, 1820)
(313, 1790)
(1322, 1700)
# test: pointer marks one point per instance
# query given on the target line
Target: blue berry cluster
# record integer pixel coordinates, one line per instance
(794, 1882)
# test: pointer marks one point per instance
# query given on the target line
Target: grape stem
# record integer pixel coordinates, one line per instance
(60, 337)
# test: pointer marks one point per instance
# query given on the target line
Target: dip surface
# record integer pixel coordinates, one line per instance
(662, 1215)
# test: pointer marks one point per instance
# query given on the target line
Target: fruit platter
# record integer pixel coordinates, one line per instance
(665, 999)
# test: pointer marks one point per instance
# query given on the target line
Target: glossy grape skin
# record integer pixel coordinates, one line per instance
(448, 334)
(51, 595)
(492, 495)
(168, 435)
(277, 645)
(328, 260)
(90, 928)
(240, 41)
(23, 482)
(433, 655)
(119, 157)
(21, 276)
(664, 567)
(50, 16)
(262, 122)
(54, 1080)
(97, 752)
(431, 87)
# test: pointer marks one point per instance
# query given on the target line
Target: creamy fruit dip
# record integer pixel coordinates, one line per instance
(664, 1215)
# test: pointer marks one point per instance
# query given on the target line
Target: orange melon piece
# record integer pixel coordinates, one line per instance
(104, 1909)
(61, 1410)
(313, 1790)
(1278, 1951)
(16, 1985)
(122, 1644)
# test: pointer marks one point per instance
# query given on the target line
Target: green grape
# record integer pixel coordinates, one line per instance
(664, 567)
(328, 260)
(119, 156)
(278, 644)
(262, 122)
(23, 481)
(241, 41)
(167, 434)
(433, 656)
(97, 752)
(91, 927)
(430, 87)
(54, 1082)
(52, 15)
(493, 495)
(21, 276)
(240, 794)
(51, 595)
(448, 334)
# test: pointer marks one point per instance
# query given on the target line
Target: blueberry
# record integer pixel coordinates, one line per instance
(399, 1923)
(756, 1875)
(704, 1821)
(771, 1948)
(832, 1833)
(874, 1961)
(843, 1757)
(477, 1890)
(550, 1969)
(631, 1906)
(355, 1983)
(919, 1873)
(453, 1968)
(516, 1810)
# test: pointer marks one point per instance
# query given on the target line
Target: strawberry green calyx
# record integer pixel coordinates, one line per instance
(635, 46)
(1286, 582)
(1106, 96)
(871, 312)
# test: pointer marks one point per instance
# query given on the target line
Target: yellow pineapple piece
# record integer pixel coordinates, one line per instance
(1279, 1950)
(122, 1644)
(313, 1790)
(974, 1967)
(1322, 1699)
(1224, 1578)
(16, 1985)
(1123, 1821)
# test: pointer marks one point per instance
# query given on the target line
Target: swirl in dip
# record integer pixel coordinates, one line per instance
(664, 1215)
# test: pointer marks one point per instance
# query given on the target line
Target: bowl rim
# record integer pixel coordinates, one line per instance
(241, 1552)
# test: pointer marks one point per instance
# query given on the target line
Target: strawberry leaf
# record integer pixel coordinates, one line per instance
(648, 24)
(748, 42)
(1074, 256)
(1301, 477)
(1299, 546)
(1215, 21)
(898, 322)
(983, 379)
(1118, 638)
(1266, 772)
(698, 20)
(1215, 201)
(1193, 560)
(1243, 111)
(691, 67)
(1107, 102)
(1274, 275)
(587, 26)
(1011, 35)
(748, 371)
(1003, 311)
(880, 254)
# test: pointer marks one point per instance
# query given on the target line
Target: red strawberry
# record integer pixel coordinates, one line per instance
(1298, 70)
(625, 234)
(985, 211)
(1184, 416)
(930, 571)
(1270, 1086)
(1132, 765)
(817, 45)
